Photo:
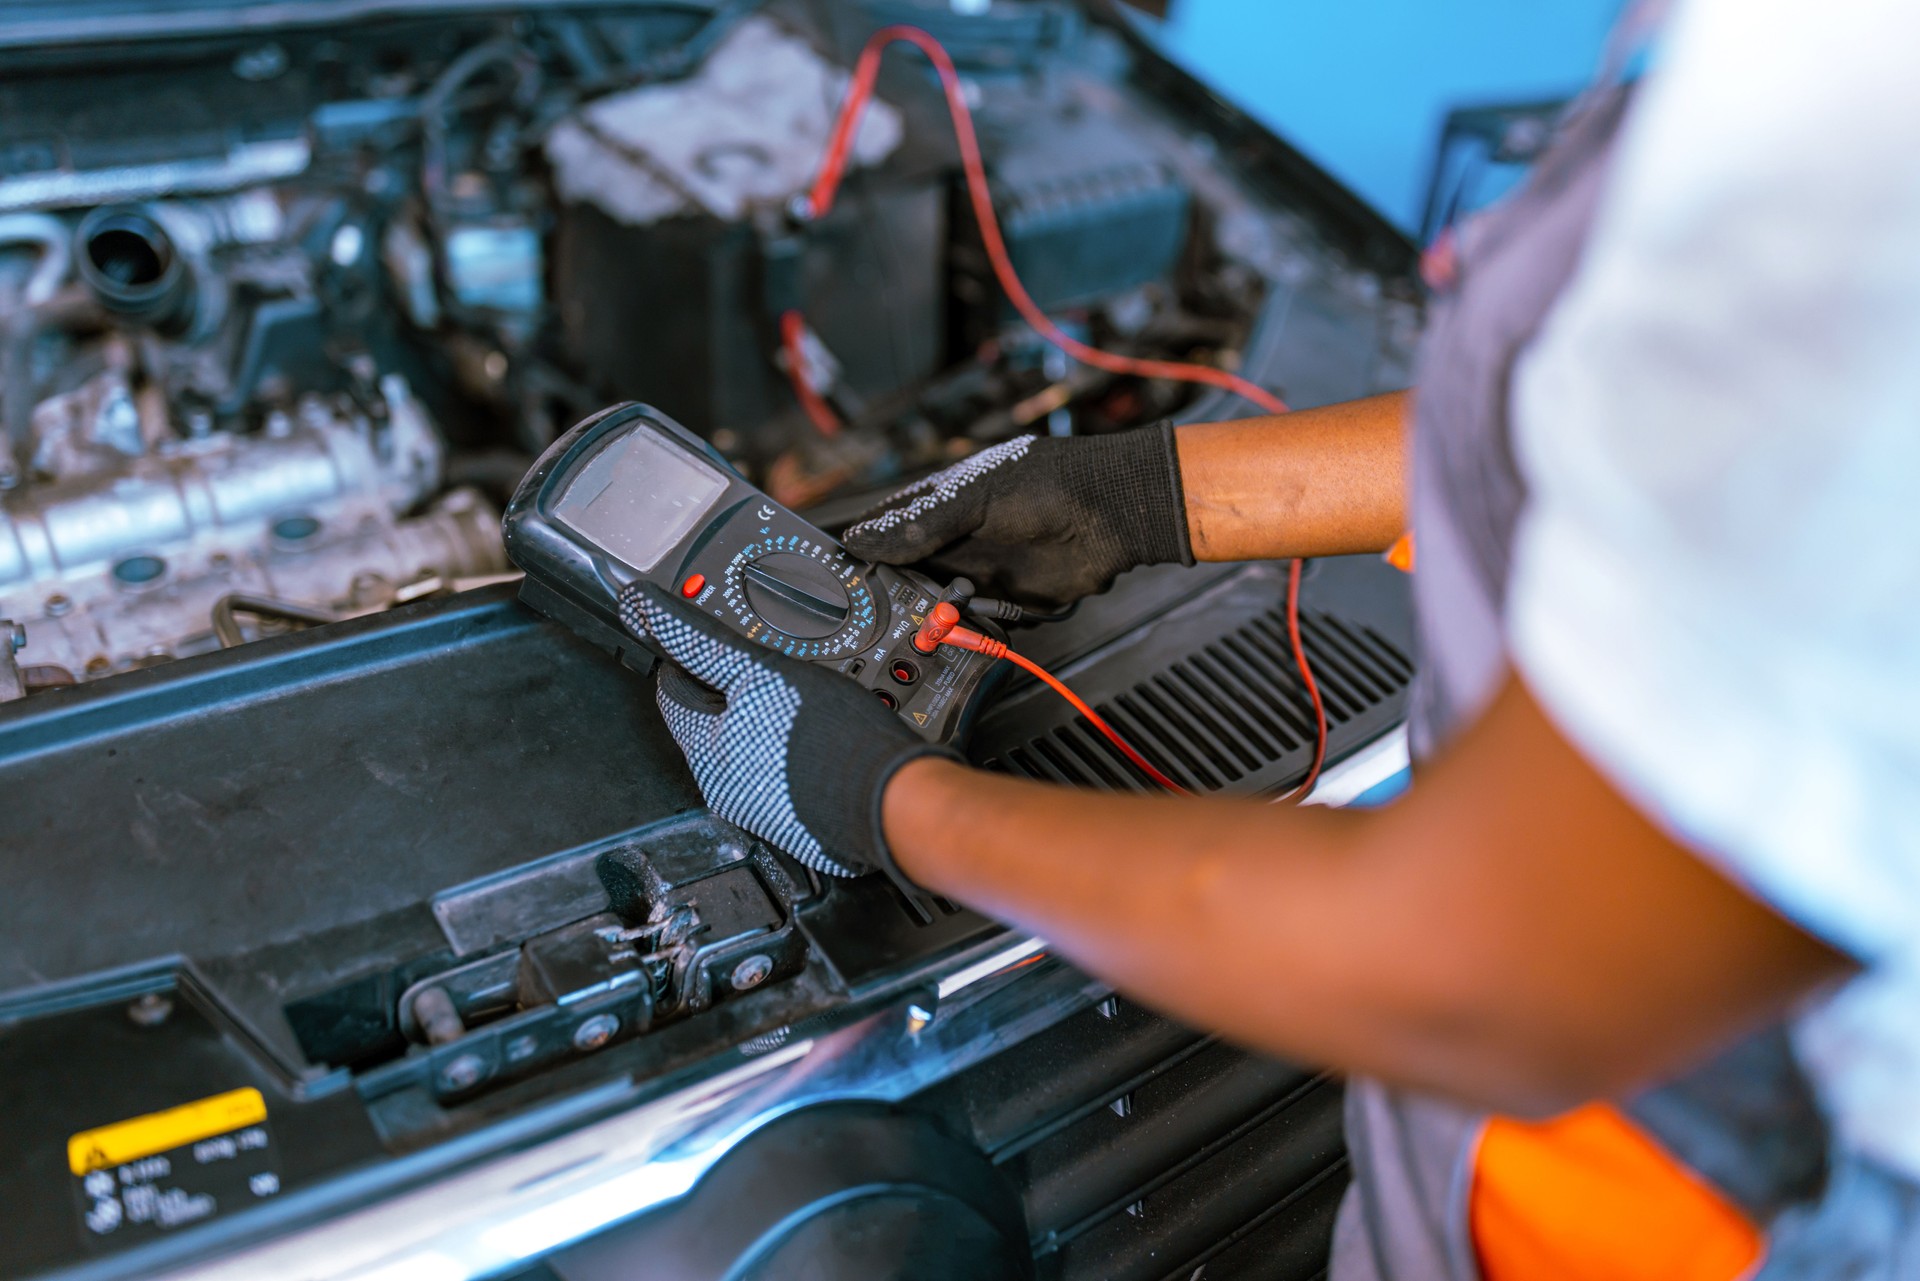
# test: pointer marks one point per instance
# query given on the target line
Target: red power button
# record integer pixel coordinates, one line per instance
(692, 586)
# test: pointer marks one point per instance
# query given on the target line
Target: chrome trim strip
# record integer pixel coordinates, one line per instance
(491, 1218)
(259, 18)
(1366, 769)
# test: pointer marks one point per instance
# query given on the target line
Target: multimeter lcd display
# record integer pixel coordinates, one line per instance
(637, 497)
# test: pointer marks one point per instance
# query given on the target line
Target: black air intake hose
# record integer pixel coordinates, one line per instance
(132, 265)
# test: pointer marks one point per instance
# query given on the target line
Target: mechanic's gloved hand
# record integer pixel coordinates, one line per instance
(794, 753)
(1041, 520)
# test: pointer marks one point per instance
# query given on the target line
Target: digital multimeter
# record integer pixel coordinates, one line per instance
(630, 495)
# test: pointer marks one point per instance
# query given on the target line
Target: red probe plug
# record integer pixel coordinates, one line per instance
(941, 621)
(967, 638)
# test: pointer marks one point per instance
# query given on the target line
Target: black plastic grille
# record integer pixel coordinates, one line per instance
(1143, 1151)
(1229, 713)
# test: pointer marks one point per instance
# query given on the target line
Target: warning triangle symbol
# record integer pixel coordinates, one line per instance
(920, 717)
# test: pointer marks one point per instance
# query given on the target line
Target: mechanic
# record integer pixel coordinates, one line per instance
(1627, 983)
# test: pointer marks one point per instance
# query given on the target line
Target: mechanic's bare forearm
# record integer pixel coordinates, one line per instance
(1504, 935)
(1319, 482)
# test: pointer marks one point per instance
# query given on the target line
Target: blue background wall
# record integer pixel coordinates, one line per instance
(1363, 85)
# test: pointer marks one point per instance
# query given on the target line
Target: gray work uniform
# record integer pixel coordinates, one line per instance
(1747, 1123)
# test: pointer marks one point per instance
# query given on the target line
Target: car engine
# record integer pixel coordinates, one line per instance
(272, 352)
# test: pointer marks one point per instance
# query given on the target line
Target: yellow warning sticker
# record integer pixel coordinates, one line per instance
(921, 717)
(143, 1136)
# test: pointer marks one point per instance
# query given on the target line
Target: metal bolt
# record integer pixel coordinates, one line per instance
(151, 1010)
(58, 605)
(520, 1048)
(438, 1017)
(348, 240)
(752, 972)
(595, 1032)
(463, 1072)
(370, 588)
(918, 1016)
(262, 62)
(16, 635)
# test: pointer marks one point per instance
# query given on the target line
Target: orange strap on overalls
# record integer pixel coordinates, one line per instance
(1590, 1197)
(1400, 555)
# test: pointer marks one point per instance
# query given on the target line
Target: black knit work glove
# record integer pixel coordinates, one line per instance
(792, 752)
(1041, 520)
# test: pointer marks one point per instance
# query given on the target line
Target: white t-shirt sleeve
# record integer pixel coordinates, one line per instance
(1716, 591)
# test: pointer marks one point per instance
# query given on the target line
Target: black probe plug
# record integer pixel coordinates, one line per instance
(959, 594)
(1005, 611)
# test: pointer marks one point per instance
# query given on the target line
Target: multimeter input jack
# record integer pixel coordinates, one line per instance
(904, 671)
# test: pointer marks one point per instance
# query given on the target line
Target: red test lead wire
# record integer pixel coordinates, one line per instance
(965, 638)
(820, 200)
(793, 334)
(1305, 789)
(942, 628)
(1093, 718)
(827, 185)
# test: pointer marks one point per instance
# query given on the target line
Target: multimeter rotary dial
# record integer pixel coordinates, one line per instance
(794, 595)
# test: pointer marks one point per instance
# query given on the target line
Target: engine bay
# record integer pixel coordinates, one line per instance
(308, 805)
(283, 319)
